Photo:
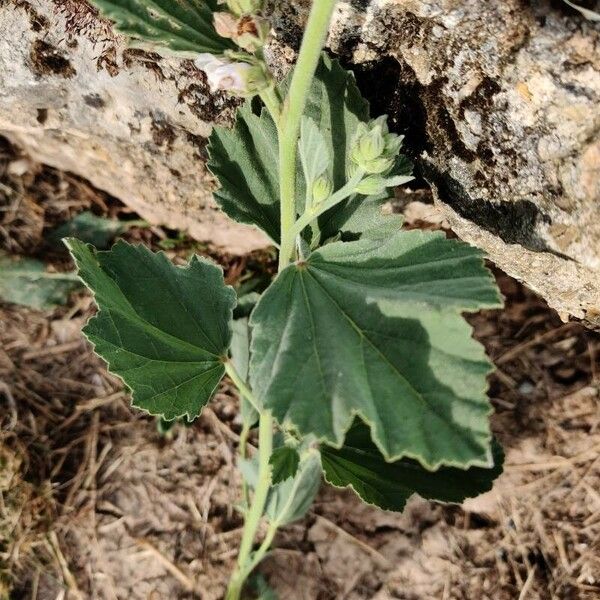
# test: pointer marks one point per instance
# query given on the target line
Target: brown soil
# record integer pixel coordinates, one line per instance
(94, 503)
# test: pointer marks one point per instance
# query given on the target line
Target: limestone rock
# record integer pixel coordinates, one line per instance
(133, 123)
(499, 101)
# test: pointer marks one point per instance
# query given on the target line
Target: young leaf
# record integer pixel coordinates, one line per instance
(289, 500)
(374, 327)
(89, 228)
(360, 465)
(179, 25)
(284, 463)
(25, 281)
(313, 151)
(163, 329)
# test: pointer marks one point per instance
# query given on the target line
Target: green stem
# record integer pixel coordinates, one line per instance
(252, 522)
(287, 118)
(272, 101)
(293, 109)
(241, 385)
(313, 211)
(242, 453)
(270, 535)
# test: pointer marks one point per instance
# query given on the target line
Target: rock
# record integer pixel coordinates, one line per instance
(499, 102)
(500, 105)
(133, 123)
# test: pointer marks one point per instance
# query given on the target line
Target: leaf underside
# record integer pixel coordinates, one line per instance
(360, 465)
(179, 25)
(245, 158)
(373, 327)
(163, 329)
(290, 499)
(26, 282)
(89, 228)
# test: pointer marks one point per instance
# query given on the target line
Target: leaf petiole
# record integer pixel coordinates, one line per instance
(241, 385)
(271, 99)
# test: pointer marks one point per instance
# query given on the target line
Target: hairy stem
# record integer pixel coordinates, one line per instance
(293, 109)
(252, 522)
(273, 527)
(272, 101)
(287, 117)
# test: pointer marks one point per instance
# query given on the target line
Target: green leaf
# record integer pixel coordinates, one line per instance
(25, 281)
(313, 151)
(373, 327)
(360, 465)
(240, 357)
(179, 25)
(245, 159)
(284, 462)
(290, 500)
(89, 228)
(164, 330)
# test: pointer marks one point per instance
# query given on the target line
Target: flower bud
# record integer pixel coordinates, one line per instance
(368, 144)
(378, 165)
(243, 7)
(372, 144)
(225, 24)
(252, 33)
(374, 184)
(322, 188)
(393, 143)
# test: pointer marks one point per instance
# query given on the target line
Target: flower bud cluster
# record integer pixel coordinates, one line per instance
(373, 151)
(374, 148)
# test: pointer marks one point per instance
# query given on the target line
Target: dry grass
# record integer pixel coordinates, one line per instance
(95, 504)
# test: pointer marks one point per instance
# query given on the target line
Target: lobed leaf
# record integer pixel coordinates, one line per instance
(245, 160)
(179, 25)
(373, 327)
(164, 330)
(388, 485)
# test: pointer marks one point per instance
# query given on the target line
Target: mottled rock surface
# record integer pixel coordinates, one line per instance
(499, 101)
(134, 123)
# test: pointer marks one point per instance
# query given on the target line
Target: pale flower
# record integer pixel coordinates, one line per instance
(224, 75)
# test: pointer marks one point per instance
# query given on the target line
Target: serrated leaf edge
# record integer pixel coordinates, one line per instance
(187, 266)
